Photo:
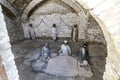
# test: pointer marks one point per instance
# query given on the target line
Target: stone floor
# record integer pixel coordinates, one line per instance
(22, 51)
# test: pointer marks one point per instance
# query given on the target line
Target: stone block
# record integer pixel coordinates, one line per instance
(5, 46)
(10, 66)
(5, 54)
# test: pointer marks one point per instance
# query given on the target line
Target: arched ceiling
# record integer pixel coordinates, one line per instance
(47, 2)
(7, 8)
(19, 5)
(25, 8)
(8, 12)
(35, 4)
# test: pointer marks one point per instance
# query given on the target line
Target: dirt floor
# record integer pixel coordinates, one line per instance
(23, 50)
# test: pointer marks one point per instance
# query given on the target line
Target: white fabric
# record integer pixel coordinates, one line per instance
(54, 36)
(54, 30)
(85, 62)
(74, 31)
(54, 33)
(65, 50)
(83, 51)
(65, 41)
(45, 50)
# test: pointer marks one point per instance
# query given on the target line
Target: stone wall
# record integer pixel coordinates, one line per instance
(5, 51)
(50, 13)
(13, 21)
(33, 3)
(6, 4)
(94, 32)
(43, 18)
(43, 24)
(14, 28)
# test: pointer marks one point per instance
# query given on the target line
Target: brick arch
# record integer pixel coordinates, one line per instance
(8, 7)
(33, 3)
(8, 12)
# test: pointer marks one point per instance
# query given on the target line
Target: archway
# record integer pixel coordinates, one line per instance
(100, 10)
(112, 36)
(8, 6)
(42, 20)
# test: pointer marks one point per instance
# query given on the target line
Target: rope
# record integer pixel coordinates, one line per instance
(42, 20)
(61, 20)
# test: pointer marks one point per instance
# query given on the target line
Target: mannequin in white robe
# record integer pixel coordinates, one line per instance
(54, 32)
(65, 49)
(31, 32)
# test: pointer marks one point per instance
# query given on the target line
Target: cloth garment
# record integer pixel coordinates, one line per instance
(83, 55)
(65, 50)
(54, 33)
(45, 52)
(31, 32)
(74, 34)
(40, 64)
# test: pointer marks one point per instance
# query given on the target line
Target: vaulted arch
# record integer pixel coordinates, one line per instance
(8, 12)
(106, 13)
(7, 6)
(47, 1)
(33, 5)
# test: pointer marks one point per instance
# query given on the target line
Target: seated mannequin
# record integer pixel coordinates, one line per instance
(65, 49)
(83, 55)
(41, 63)
(45, 52)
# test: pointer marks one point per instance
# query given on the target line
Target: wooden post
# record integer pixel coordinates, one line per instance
(2, 70)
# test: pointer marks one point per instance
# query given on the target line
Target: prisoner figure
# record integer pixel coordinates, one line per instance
(83, 55)
(65, 49)
(31, 32)
(45, 52)
(74, 33)
(54, 32)
(41, 63)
